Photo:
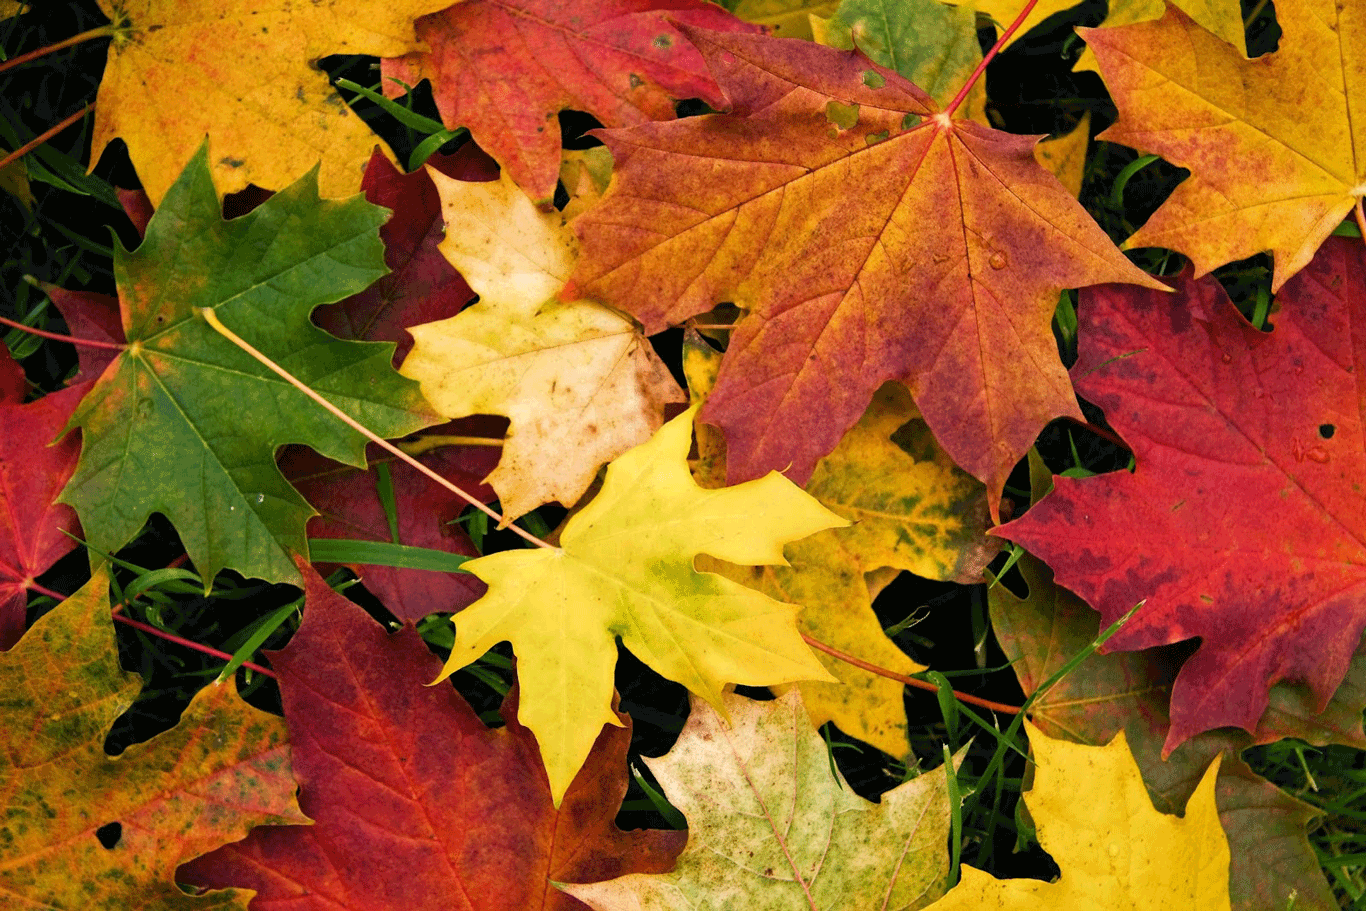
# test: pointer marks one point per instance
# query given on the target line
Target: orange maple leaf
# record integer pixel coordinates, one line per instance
(1270, 142)
(870, 237)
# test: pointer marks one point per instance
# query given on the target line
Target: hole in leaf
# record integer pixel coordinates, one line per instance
(1327, 430)
(109, 835)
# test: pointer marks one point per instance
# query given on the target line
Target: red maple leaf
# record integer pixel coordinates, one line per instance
(505, 68)
(421, 285)
(35, 531)
(417, 805)
(1243, 522)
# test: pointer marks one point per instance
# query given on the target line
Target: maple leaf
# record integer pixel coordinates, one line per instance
(915, 512)
(1222, 18)
(1269, 142)
(578, 382)
(505, 68)
(184, 423)
(223, 769)
(625, 568)
(350, 505)
(421, 285)
(175, 73)
(1271, 859)
(437, 811)
(1228, 425)
(771, 826)
(34, 531)
(1093, 815)
(906, 246)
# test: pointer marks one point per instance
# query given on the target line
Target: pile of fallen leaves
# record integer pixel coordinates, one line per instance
(868, 278)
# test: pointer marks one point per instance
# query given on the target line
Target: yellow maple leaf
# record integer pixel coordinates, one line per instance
(246, 76)
(908, 512)
(1224, 18)
(1271, 143)
(1115, 850)
(578, 382)
(624, 569)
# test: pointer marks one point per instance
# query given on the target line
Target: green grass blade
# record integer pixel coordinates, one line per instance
(383, 553)
(264, 628)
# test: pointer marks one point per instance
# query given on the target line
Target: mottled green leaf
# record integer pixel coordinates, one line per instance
(222, 770)
(771, 828)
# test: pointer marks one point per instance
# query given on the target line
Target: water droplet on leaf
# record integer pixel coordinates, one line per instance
(998, 260)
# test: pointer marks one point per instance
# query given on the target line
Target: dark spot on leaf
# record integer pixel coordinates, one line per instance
(109, 835)
(663, 41)
(232, 162)
(636, 81)
(1327, 430)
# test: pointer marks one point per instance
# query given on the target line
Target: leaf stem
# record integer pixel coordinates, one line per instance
(159, 633)
(44, 136)
(212, 319)
(189, 643)
(428, 442)
(56, 336)
(104, 31)
(987, 58)
(1361, 217)
(909, 681)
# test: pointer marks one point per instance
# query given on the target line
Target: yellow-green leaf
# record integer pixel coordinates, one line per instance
(625, 568)
(771, 828)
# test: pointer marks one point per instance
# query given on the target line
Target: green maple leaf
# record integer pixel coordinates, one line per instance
(186, 424)
(625, 568)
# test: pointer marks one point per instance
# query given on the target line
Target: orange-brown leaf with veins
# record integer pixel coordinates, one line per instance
(870, 237)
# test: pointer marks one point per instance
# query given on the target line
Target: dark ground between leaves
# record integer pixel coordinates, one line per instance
(66, 239)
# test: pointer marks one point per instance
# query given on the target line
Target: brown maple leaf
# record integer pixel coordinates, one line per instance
(870, 237)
